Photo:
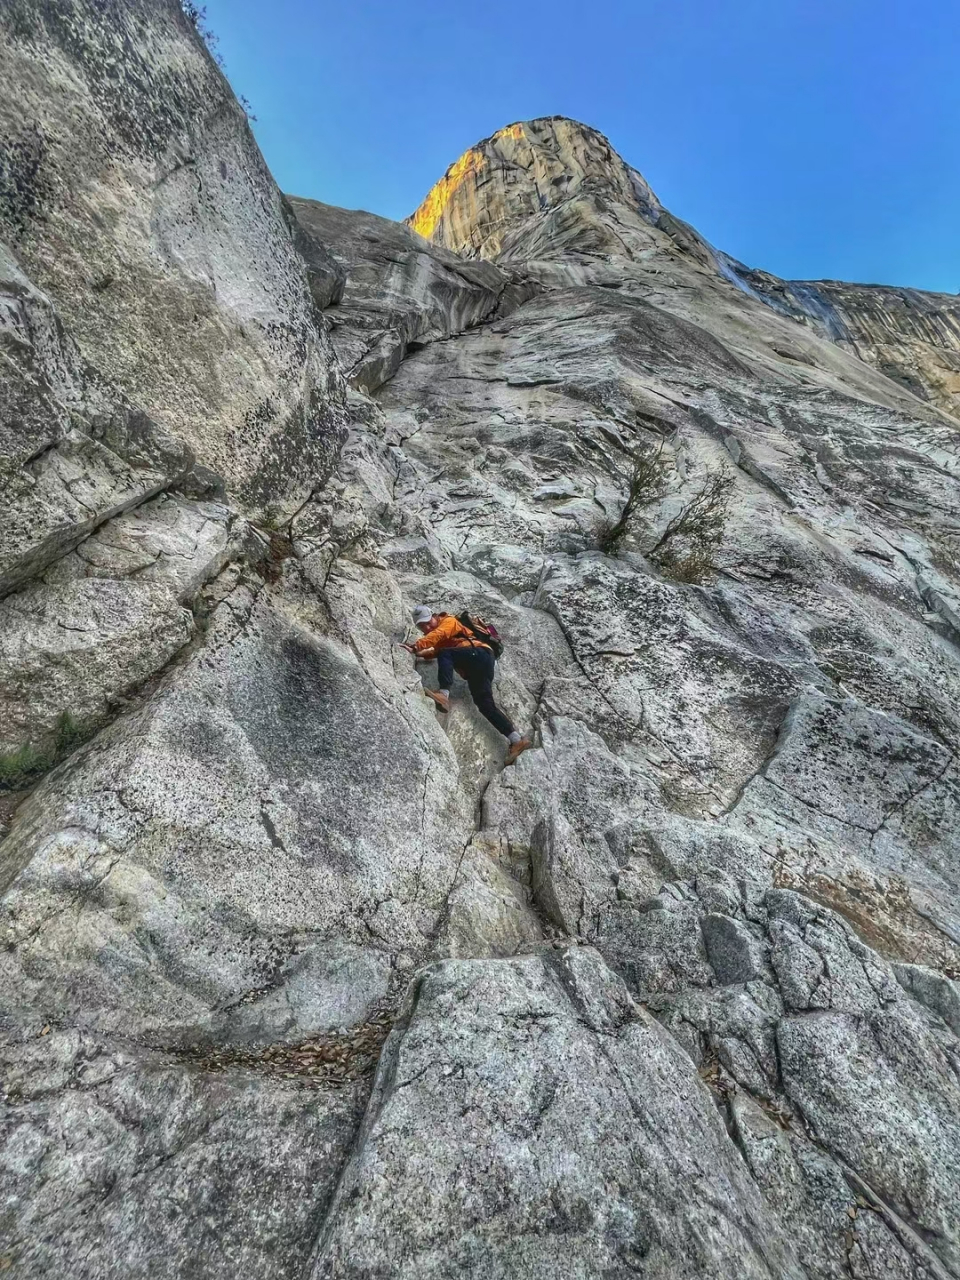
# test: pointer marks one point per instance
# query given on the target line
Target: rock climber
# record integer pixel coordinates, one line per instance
(458, 649)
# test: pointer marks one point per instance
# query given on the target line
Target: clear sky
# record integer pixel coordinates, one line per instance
(818, 139)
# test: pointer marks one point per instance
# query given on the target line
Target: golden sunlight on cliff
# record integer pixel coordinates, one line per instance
(424, 220)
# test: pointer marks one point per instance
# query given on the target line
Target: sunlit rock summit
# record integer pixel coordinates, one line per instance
(552, 188)
(296, 979)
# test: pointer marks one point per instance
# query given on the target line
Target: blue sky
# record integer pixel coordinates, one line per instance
(814, 139)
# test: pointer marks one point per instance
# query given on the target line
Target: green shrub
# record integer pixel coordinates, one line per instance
(26, 763)
(692, 566)
(646, 485)
(17, 766)
(67, 734)
(685, 549)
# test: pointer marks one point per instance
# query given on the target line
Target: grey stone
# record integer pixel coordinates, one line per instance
(881, 1092)
(130, 1165)
(171, 541)
(321, 988)
(399, 289)
(733, 951)
(325, 275)
(72, 452)
(108, 615)
(933, 990)
(246, 771)
(835, 1231)
(556, 1072)
(822, 1031)
(192, 299)
(75, 647)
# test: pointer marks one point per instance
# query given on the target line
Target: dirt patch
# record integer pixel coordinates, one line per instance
(327, 1061)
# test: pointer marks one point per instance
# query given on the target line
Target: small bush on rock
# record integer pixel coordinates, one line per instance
(690, 566)
(196, 15)
(685, 549)
(18, 765)
(67, 734)
(646, 485)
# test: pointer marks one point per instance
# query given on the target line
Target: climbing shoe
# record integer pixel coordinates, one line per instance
(440, 698)
(515, 749)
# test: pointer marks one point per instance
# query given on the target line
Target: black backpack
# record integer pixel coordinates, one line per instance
(483, 630)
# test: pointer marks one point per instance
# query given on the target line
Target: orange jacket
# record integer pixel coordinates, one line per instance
(450, 634)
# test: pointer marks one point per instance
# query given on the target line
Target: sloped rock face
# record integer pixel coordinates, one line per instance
(74, 450)
(401, 290)
(910, 336)
(555, 1190)
(673, 996)
(132, 192)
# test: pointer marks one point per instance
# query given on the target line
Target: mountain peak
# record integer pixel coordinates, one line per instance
(519, 171)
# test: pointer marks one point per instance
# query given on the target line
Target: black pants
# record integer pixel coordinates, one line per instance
(477, 666)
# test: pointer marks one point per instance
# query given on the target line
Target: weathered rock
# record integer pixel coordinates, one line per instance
(816, 1026)
(491, 193)
(171, 541)
(933, 990)
(106, 617)
(837, 1231)
(72, 451)
(117, 1163)
(544, 1127)
(743, 787)
(135, 196)
(248, 758)
(399, 289)
(911, 336)
(73, 648)
(554, 195)
(325, 276)
(866, 782)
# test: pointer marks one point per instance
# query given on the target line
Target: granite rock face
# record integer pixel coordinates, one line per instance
(74, 451)
(910, 336)
(511, 1106)
(402, 291)
(132, 192)
(295, 979)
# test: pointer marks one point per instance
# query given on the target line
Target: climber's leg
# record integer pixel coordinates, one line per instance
(445, 658)
(477, 666)
(441, 696)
